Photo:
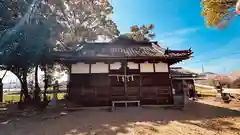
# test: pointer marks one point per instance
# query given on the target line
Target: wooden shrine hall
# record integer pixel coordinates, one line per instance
(121, 70)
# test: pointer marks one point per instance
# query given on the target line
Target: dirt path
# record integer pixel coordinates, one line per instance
(195, 119)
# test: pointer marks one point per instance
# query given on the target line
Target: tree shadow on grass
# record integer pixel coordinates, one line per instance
(145, 120)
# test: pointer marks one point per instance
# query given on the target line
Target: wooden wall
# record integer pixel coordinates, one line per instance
(99, 89)
(180, 85)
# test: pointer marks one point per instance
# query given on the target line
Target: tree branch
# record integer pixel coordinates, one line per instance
(4, 74)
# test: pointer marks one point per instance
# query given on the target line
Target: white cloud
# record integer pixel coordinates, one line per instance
(172, 42)
(181, 32)
(223, 59)
(175, 39)
(230, 48)
(220, 65)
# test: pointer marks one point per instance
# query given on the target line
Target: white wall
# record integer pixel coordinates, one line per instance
(115, 65)
(103, 68)
(146, 67)
(161, 67)
(99, 68)
(80, 68)
(84, 68)
(132, 65)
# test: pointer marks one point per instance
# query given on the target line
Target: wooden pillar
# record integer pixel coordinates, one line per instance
(183, 94)
(125, 78)
(1, 90)
(140, 82)
(195, 92)
(171, 84)
(69, 79)
(109, 83)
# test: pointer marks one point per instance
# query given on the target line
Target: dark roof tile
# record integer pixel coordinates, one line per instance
(120, 49)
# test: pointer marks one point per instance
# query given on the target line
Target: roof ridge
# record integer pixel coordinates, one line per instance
(159, 48)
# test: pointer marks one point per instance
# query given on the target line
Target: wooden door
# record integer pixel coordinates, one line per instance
(133, 87)
(117, 85)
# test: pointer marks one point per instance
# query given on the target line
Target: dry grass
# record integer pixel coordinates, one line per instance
(205, 92)
(16, 97)
(199, 118)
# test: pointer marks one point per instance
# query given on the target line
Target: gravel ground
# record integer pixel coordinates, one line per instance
(204, 117)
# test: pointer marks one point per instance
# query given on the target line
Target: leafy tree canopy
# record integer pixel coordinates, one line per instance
(217, 13)
(31, 29)
(56, 24)
(142, 33)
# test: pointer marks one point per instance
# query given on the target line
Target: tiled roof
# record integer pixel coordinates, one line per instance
(112, 50)
(136, 50)
(181, 71)
(121, 49)
(184, 73)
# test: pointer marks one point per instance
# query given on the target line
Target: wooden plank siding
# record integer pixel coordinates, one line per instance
(100, 89)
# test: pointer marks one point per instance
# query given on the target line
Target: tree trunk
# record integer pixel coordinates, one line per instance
(45, 84)
(18, 75)
(1, 86)
(4, 74)
(25, 87)
(1, 90)
(22, 77)
(21, 95)
(20, 103)
(37, 89)
(22, 91)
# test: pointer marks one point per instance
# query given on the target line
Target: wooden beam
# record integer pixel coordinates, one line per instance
(90, 66)
(171, 85)
(154, 67)
(1, 91)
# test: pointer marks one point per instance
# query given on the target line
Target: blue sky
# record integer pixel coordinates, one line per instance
(179, 25)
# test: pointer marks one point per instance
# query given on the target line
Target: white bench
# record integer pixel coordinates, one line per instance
(125, 102)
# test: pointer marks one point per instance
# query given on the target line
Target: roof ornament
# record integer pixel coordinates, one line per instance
(190, 49)
(167, 51)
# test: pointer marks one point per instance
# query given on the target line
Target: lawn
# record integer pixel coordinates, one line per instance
(205, 92)
(16, 97)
